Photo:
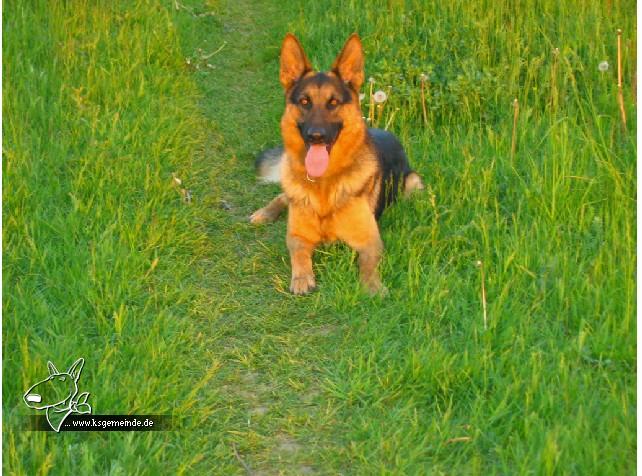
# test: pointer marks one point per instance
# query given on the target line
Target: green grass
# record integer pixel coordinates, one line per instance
(98, 248)
(183, 308)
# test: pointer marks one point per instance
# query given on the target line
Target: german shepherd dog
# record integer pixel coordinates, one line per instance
(337, 174)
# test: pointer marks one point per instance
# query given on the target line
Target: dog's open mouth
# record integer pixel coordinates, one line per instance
(317, 159)
(34, 397)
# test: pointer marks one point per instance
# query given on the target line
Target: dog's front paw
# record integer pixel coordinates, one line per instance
(375, 288)
(261, 216)
(302, 284)
(381, 291)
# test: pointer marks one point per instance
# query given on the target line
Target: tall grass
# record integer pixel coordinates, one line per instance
(98, 112)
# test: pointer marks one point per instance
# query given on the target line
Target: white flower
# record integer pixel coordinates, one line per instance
(362, 96)
(603, 66)
(380, 97)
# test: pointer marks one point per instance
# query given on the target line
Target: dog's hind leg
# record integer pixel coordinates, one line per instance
(271, 211)
(412, 182)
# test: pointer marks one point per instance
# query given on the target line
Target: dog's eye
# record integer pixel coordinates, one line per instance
(332, 103)
(304, 101)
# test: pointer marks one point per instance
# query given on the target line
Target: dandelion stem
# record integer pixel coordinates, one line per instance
(459, 439)
(513, 146)
(435, 218)
(554, 92)
(634, 72)
(220, 48)
(423, 99)
(372, 102)
(620, 94)
(483, 293)
(390, 118)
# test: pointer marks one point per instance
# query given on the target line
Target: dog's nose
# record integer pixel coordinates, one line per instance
(316, 135)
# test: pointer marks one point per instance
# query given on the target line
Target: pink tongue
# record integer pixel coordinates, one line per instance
(316, 160)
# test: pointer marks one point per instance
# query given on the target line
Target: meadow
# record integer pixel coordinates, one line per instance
(129, 136)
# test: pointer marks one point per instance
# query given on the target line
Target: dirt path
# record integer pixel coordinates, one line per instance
(269, 345)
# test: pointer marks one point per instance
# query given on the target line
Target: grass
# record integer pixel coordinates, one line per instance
(98, 248)
(183, 308)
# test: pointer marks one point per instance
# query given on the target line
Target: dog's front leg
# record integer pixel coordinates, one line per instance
(357, 226)
(301, 258)
(369, 258)
(302, 237)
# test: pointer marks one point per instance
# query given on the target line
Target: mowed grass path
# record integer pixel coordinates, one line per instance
(184, 309)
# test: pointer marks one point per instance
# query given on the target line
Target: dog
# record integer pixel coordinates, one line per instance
(337, 175)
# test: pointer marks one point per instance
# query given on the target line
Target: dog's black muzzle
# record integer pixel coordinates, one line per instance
(315, 134)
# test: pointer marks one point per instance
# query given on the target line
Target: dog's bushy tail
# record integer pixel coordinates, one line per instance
(268, 165)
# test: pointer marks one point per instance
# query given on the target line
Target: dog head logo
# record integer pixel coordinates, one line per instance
(58, 394)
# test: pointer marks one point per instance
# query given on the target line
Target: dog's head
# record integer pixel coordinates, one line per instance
(56, 389)
(321, 107)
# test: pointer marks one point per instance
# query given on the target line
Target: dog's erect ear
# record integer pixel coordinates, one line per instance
(52, 368)
(294, 63)
(76, 368)
(349, 63)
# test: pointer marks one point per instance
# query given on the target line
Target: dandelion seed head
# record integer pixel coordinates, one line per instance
(603, 66)
(380, 96)
(423, 76)
(371, 80)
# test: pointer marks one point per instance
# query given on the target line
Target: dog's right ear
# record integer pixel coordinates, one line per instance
(294, 63)
(52, 368)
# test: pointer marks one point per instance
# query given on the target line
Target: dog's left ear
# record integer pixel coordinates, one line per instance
(52, 368)
(349, 63)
